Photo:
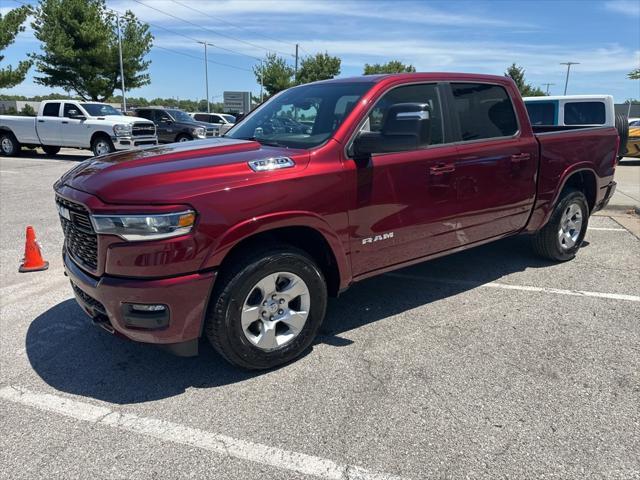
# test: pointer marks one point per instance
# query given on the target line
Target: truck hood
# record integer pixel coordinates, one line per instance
(174, 173)
(126, 119)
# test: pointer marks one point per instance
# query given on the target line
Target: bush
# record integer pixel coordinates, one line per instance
(28, 111)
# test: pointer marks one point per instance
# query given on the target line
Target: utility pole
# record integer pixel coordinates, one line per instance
(566, 81)
(261, 79)
(296, 74)
(206, 74)
(548, 85)
(124, 99)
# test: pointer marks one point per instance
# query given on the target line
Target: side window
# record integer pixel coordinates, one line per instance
(215, 119)
(584, 113)
(542, 113)
(51, 110)
(484, 111)
(427, 93)
(144, 114)
(70, 108)
(201, 117)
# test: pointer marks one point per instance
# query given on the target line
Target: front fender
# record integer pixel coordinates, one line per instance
(256, 225)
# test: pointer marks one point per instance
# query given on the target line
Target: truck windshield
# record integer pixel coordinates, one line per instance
(180, 116)
(99, 109)
(301, 117)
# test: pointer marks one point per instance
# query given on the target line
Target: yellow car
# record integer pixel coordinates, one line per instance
(633, 143)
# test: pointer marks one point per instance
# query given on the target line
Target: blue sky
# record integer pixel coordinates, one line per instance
(456, 35)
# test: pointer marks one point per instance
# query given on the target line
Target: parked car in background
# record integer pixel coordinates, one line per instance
(241, 239)
(70, 123)
(174, 125)
(633, 143)
(223, 120)
(578, 111)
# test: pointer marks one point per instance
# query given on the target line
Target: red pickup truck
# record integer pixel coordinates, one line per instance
(241, 239)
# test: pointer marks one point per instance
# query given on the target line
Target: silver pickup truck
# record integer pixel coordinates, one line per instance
(70, 123)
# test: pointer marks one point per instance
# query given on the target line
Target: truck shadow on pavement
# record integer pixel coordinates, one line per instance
(74, 357)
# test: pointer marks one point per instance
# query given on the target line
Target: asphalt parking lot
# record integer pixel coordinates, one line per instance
(490, 363)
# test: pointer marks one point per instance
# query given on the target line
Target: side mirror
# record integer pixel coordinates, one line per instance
(406, 126)
(76, 115)
(166, 120)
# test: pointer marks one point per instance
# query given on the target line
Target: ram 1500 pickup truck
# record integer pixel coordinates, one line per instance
(68, 123)
(241, 239)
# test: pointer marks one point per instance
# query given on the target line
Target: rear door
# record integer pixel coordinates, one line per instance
(496, 164)
(49, 124)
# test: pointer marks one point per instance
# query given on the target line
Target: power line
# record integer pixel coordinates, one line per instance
(232, 24)
(209, 30)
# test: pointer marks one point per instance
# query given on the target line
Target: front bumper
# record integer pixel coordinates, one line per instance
(127, 143)
(105, 299)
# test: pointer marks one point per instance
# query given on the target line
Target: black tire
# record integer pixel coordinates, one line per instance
(50, 149)
(9, 145)
(183, 137)
(547, 243)
(102, 145)
(223, 325)
(622, 125)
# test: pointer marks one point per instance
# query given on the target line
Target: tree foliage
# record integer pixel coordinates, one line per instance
(634, 74)
(80, 48)
(322, 66)
(516, 73)
(274, 72)
(10, 25)
(393, 66)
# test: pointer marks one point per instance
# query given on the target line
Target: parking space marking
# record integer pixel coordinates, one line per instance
(604, 229)
(176, 433)
(526, 288)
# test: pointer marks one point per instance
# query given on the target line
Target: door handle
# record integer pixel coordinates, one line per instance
(442, 168)
(64, 121)
(40, 121)
(520, 157)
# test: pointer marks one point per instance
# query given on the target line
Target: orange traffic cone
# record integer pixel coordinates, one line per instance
(32, 261)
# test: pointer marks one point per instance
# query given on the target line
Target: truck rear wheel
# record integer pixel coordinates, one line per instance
(50, 149)
(101, 145)
(9, 145)
(267, 308)
(562, 236)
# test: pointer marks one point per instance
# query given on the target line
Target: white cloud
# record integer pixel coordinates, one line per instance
(625, 7)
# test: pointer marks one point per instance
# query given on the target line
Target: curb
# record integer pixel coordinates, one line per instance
(621, 209)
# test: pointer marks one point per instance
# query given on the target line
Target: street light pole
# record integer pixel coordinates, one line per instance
(124, 99)
(566, 81)
(261, 79)
(206, 73)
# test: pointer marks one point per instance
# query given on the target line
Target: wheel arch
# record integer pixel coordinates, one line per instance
(584, 180)
(307, 232)
(99, 133)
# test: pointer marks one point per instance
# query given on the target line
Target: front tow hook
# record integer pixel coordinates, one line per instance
(103, 322)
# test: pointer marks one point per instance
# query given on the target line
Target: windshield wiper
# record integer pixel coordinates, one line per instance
(264, 141)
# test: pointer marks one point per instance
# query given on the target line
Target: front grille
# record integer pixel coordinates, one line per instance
(143, 129)
(81, 240)
(210, 132)
(91, 302)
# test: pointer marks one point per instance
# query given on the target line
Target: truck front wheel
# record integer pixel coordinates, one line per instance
(101, 145)
(9, 145)
(562, 236)
(267, 308)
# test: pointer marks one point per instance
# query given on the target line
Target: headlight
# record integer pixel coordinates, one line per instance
(145, 227)
(122, 130)
(200, 132)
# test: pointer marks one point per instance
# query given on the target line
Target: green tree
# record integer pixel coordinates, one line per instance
(393, 66)
(516, 73)
(322, 66)
(275, 73)
(634, 74)
(80, 48)
(28, 111)
(10, 25)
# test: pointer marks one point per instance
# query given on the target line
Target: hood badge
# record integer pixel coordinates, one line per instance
(273, 163)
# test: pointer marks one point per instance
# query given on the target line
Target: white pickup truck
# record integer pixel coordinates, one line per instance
(69, 123)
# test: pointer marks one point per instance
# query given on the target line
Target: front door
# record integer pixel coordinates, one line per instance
(404, 200)
(73, 130)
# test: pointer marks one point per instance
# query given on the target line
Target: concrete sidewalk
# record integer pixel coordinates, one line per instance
(627, 196)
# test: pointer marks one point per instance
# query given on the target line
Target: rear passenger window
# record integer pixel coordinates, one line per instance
(408, 94)
(584, 113)
(484, 111)
(51, 110)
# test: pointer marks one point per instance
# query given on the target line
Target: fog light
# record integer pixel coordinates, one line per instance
(139, 307)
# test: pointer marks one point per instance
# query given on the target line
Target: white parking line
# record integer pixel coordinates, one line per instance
(604, 229)
(176, 433)
(526, 288)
